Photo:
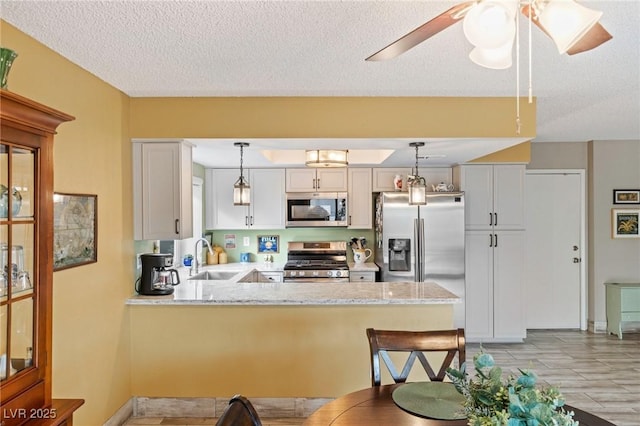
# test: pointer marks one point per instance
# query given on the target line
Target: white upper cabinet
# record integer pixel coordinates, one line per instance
(162, 190)
(494, 195)
(266, 210)
(360, 199)
(383, 177)
(313, 180)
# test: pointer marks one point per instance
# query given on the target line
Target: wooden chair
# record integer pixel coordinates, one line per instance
(381, 342)
(239, 412)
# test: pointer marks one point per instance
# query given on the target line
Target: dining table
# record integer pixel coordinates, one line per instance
(375, 406)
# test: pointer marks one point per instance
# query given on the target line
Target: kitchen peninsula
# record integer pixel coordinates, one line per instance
(267, 339)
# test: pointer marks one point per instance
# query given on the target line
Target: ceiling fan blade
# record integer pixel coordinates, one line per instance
(423, 32)
(592, 39)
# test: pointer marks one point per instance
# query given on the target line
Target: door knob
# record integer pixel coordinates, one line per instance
(576, 260)
(575, 248)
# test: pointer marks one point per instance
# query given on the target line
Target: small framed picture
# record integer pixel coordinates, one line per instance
(626, 196)
(624, 223)
(268, 243)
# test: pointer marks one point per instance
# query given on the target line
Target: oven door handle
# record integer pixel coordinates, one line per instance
(316, 280)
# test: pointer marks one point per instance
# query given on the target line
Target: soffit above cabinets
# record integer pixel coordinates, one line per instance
(220, 153)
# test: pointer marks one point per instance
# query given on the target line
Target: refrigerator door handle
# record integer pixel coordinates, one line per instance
(418, 227)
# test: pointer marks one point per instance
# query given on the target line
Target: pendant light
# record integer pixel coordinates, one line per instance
(241, 189)
(416, 183)
(326, 158)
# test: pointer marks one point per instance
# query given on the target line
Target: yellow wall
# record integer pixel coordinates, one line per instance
(91, 343)
(263, 351)
(343, 117)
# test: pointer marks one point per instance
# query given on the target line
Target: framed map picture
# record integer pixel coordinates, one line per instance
(74, 230)
(268, 243)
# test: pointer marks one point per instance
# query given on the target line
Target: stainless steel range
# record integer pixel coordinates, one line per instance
(316, 261)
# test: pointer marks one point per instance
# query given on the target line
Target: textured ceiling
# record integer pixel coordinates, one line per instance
(317, 48)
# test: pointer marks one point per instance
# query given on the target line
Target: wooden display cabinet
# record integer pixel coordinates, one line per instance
(26, 263)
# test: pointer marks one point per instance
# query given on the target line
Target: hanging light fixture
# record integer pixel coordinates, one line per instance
(326, 158)
(241, 189)
(416, 183)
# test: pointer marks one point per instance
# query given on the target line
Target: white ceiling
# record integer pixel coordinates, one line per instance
(317, 48)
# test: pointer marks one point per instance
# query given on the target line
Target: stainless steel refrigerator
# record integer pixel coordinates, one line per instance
(423, 243)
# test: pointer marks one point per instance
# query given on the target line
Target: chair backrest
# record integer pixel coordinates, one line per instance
(416, 343)
(239, 412)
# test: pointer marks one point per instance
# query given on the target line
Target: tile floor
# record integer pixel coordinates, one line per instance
(595, 372)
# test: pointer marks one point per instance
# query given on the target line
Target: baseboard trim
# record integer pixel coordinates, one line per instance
(122, 415)
(598, 326)
(214, 407)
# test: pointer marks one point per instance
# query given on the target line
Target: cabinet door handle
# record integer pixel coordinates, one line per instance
(246, 221)
(318, 180)
(496, 241)
(490, 240)
(251, 220)
(349, 223)
(314, 184)
(495, 221)
(177, 225)
(490, 219)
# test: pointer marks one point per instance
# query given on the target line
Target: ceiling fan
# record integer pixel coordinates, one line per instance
(490, 25)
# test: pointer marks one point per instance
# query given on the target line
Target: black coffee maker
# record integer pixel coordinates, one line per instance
(156, 279)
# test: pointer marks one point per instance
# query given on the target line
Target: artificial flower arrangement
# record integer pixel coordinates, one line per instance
(515, 402)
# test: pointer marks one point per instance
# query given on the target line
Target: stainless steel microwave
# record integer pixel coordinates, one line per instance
(316, 209)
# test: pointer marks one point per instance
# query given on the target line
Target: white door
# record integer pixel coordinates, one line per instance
(554, 229)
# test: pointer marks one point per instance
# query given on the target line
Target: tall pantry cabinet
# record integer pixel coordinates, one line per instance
(26, 244)
(494, 239)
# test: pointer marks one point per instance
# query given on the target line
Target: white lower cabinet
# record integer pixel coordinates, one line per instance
(269, 277)
(494, 286)
(263, 277)
(364, 277)
(266, 210)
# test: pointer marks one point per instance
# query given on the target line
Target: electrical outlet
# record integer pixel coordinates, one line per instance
(246, 241)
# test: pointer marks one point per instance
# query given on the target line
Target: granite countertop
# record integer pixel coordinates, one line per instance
(233, 292)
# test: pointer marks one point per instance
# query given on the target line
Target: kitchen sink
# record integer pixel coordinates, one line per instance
(214, 275)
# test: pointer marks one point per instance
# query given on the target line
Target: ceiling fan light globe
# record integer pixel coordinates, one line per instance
(567, 22)
(490, 24)
(496, 59)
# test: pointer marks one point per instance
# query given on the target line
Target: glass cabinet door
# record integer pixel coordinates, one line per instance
(18, 225)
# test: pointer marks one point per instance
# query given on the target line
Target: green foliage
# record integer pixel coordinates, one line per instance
(490, 401)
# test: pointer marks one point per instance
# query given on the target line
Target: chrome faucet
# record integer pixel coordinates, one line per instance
(199, 254)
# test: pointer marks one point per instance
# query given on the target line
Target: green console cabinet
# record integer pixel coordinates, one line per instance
(623, 305)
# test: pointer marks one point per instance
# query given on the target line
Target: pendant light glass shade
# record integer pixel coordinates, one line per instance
(567, 22)
(241, 192)
(416, 184)
(241, 189)
(326, 158)
(418, 191)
